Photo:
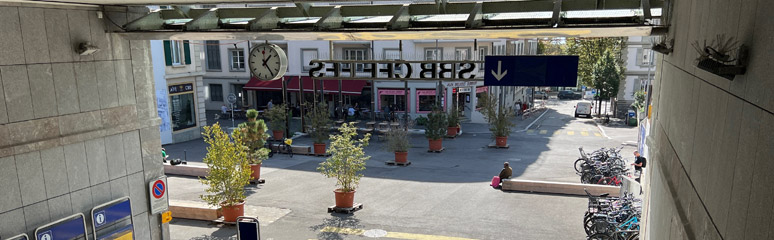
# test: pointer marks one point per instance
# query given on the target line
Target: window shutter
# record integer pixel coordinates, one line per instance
(167, 50)
(187, 51)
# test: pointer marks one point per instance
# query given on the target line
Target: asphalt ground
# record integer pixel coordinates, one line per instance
(439, 196)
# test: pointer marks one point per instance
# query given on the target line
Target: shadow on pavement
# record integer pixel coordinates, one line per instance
(330, 227)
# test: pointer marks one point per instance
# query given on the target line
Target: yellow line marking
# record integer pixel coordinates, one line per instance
(396, 235)
(597, 134)
(584, 133)
(531, 131)
(570, 132)
(543, 131)
(557, 132)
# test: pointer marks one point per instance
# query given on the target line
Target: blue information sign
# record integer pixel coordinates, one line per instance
(72, 227)
(544, 71)
(109, 216)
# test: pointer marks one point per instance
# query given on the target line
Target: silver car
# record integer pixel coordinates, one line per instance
(540, 95)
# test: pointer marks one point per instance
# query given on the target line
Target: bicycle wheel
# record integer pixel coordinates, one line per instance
(579, 164)
(289, 150)
(633, 236)
(600, 236)
(586, 177)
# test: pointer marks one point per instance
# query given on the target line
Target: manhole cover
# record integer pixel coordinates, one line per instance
(375, 233)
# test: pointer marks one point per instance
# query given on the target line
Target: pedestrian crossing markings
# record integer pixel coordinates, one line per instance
(566, 132)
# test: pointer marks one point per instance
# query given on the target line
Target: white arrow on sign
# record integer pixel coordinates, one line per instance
(500, 74)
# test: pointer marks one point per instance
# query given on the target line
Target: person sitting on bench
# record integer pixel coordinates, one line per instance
(505, 173)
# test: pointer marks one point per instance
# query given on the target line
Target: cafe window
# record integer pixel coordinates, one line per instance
(182, 106)
(395, 99)
(426, 100)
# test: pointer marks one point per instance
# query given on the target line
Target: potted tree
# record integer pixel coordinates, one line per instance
(436, 129)
(398, 142)
(499, 120)
(229, 172)
(345, 163)
(453, 123)
(319, 121)
(253, 137)
(277, 118)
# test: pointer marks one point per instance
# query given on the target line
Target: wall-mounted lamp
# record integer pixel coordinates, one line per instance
(86, 48)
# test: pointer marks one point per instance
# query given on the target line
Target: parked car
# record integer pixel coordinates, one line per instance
(588, 95)
(567, 94)
(583, 108)
(541, 95)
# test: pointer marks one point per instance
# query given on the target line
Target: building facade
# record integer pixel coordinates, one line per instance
(640, 71)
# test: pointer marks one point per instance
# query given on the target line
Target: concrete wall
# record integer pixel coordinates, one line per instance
(711, 142)
(75, 131)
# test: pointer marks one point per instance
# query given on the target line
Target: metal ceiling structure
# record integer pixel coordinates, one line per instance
(420, 20)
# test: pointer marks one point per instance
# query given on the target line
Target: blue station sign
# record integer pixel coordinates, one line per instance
(69, 228)
(543, 71)
(113, 220)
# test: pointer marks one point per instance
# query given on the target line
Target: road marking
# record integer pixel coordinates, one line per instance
(536, 119)
(584, 133)
(597, 134)
(543, 131)
(557, 132)
(570, 132)
(531, 131)
(396, 235)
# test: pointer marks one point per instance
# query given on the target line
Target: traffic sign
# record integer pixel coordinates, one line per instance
(232, 98)
(159, 200)
(544, 71)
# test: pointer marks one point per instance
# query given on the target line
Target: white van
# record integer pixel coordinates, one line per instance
(583, 108)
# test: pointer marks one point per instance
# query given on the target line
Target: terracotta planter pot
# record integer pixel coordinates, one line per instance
(256, 171)
(401, 157)
(277, 135)
(319, 148)
(344, 199)
(459, 129)
(436, 145)
(230, 213)
(451, 131)
(501, 141)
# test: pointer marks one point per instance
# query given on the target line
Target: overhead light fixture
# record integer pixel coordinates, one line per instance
(86, 48)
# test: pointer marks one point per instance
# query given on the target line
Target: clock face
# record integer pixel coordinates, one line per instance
(268, 62)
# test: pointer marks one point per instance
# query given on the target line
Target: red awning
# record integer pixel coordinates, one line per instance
(349, 87)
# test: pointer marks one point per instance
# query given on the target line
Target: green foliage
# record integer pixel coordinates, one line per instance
(253, 137)
(606, 76)
(500, 123)
(590, 50)
(453, 118)
(436, 124)
(398, 140)
(277, 117)
(319, 120)
(229, 169)
(421, 120)
(347, 158)
(639, 101)
(549, 47)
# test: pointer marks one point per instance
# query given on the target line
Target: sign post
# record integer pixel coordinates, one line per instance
(232, 100)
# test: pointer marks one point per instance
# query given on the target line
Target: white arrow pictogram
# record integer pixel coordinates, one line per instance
(499, 74)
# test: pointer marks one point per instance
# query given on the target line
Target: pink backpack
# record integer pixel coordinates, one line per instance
(495, 181)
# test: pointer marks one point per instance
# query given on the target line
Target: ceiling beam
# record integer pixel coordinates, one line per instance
(475, 19)
(208, 20)
(152, 21)
(332, 20)
(267, 21)
(304, 8)
(401, 19)
(556, 17)
(645, 4)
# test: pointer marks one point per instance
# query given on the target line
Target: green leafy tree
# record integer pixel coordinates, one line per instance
(253, 135)
(436, 124)
(347, 158)
(318, 119)
(639, 101)
(589, 50)
(453, 118)
(606, 77)
(499, 120)
(229, 171)
(277, 117)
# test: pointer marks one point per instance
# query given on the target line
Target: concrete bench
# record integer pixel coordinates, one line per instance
(297, 149)
(193, 169)
(558, 187)
(193, 210)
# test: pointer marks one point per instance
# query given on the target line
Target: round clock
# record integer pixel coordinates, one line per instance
(268, 62)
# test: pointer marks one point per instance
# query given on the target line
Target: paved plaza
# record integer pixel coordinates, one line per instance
(439, 196)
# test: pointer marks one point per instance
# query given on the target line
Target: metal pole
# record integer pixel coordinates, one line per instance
(285, 103)
(373, 90)
(232, 115)
(301, 103)
(405, 90)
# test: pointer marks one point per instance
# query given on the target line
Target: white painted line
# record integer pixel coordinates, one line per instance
(602, 130)
(533, 122)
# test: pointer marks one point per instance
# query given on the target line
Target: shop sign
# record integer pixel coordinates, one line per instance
(386, 70)
(181, 88)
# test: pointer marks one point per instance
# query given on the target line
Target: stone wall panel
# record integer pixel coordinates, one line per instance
(29, 168)
(88, 90)
(16, 87)
(11, 44)
(33, 28)
(58, 34)
(41, 86)
(66, 88)
(106, 83)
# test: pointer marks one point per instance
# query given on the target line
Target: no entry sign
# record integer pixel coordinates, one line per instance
(158, 198)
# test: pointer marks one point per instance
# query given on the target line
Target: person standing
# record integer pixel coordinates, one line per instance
(269, 105)
(639, 164)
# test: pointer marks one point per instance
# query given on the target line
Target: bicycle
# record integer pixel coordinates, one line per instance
(284, 146)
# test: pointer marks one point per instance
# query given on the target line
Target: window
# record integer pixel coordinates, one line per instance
(482, 53)
(355, 54)
(394, 102)
(531, 48)
(212, 53)
(426, 103)
(307, 55)
(433, 54)
(182, 106)
(176, 53)
(518, 48)
(462, 53)
(393, 54)
(647, 57)
(237, 58)
(216, 92)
